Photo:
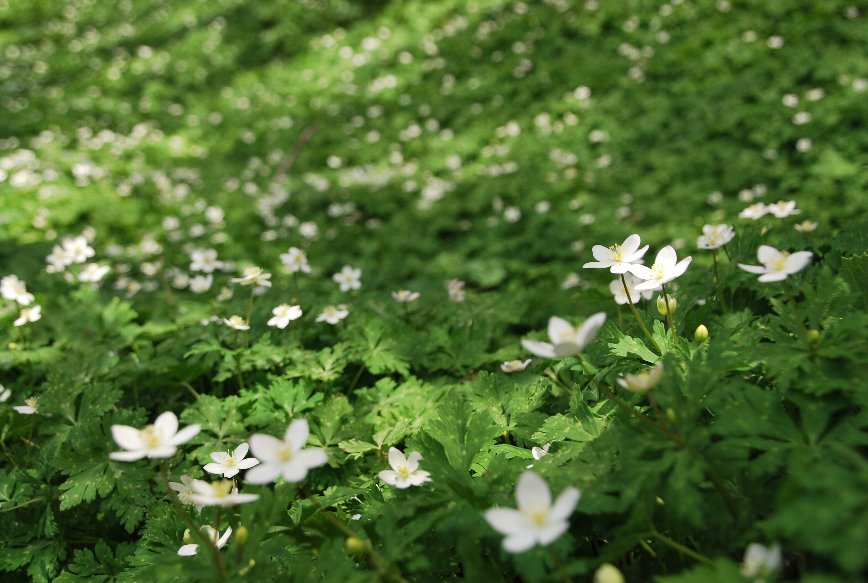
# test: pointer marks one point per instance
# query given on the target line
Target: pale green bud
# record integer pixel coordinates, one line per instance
(701, 333)
(608, 573)
(663, 308)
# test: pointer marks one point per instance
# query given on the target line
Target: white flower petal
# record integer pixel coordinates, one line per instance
(520, 542)
(798, 261)
(396, 458)
(247, 463)
(188, 550)
(559, 328)
(126, 456)
(565, 504)
(312, 457)
(537, 348)
(167, 423)
(550, 531)
(241, 451)
(767, 253)
(589, 328)
(265, 447)
(297, 433)
(752, 268)
(185, 434)
(388, 476)
(127, 437)
(532, 492)
(264, 473)
(506, 521)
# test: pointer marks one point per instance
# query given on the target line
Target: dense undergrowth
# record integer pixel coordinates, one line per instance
(152, 152)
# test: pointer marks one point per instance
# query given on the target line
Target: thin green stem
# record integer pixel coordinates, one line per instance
(22, 505)
(687, 551)
(668, 312)
(637, 316)
(717, 282)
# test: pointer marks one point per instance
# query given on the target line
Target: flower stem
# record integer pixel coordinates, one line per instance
(637, 316)
(680, 547)
(668, 312)
(717, 281)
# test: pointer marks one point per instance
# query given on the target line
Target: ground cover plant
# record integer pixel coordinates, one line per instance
(425, 291)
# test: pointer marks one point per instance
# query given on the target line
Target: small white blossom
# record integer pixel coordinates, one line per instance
(515, 365)
(154, 441)
(229, 464)
(621, 298)
(566, 340)
(333, 314)
(28, 315)
(213, 536)
(643, 381)
(761, 562)
(539, 452)
(536, 520)
(348, 278)
(405, 296)
(783, 209)
(184, 490)
(287, 457)
(15, 290)
(77, 249)
(31, 406)
(666, 268)
(253, 276)
(617, 258)
(220, 493)
(201, 283)
(405, 471)
(92, 273)
(237, 323)
(715, 236)
(455, 288)
(805, 226)
(777, 265)
(284, 314)
(295, 260)
(754, 211)
(204, 260)
(4, 394)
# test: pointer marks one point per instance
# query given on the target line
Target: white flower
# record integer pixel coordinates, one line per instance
(754, 211)
(201, 283)
(220, 493)
(30, 407)
(236, 322)
(58, 259)
(571, 280)
(761, 561)
(31, 314)
(617, 289)
(4, 394)
(643, 381)
(514, 365)
(213, 536)
(618, 258)
(295, 260)
(783, 209)
(539, 452)
(537, 520)
(348, 278)
(154, 441)
(15, 290)
(405, 296)
(566, 340)
(284, 457)
(204, 260)
(666, 268)
(333, 314)
(93, 272)
(228, 465)
(715, 236)
(284, 314)
(455, 288)
(77, 249)
(805, 226)
(777, 265)
(253, 276)
(405, 471)
(185, 491)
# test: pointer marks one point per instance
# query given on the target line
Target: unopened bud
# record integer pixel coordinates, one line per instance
(188, 538)
(701, 333)
(813, 336)
(608, 573)
(355, 545)
(241, 535)
(13, 346)
(663, 308)
(670, 415)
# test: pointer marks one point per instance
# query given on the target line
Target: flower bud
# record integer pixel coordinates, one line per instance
(608, 573)
(188, 538)
(701, 333)
(670, 415)
(813, 336)
(663, 308)
(241, 535)
(355, 545)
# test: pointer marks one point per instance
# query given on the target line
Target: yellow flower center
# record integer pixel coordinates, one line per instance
(403, 472)
(617, 252)
(539, 518)
(285, 454)
(222, 488)
(150, 437)
(779, 263)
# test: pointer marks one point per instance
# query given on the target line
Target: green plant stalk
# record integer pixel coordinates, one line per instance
(680, 547)
(668, 312)
(638, 318)
(717, 282)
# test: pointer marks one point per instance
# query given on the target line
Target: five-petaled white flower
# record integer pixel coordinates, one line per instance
(754, 211)
(287, 457)
(219, 493)
(92, 273)
(405, 471)
(514, 365)
(777, 265)
(566, 340)
(783, 209)
(333, 314)
(537, 520)
(236, 322)
(405, 296)
(621, 298)
(30, 407)
(348, 278)
(761, 561)
(31, 314)
(229, 464)
(284, 314)
(213, 535)
(204, 260)
(618, 258)
(643, 381)
(715, 236)
(666, 268)
(154, 441)
(77, 249)
(253, 276)
(184, 490)
(14, 289)
(295, 260)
